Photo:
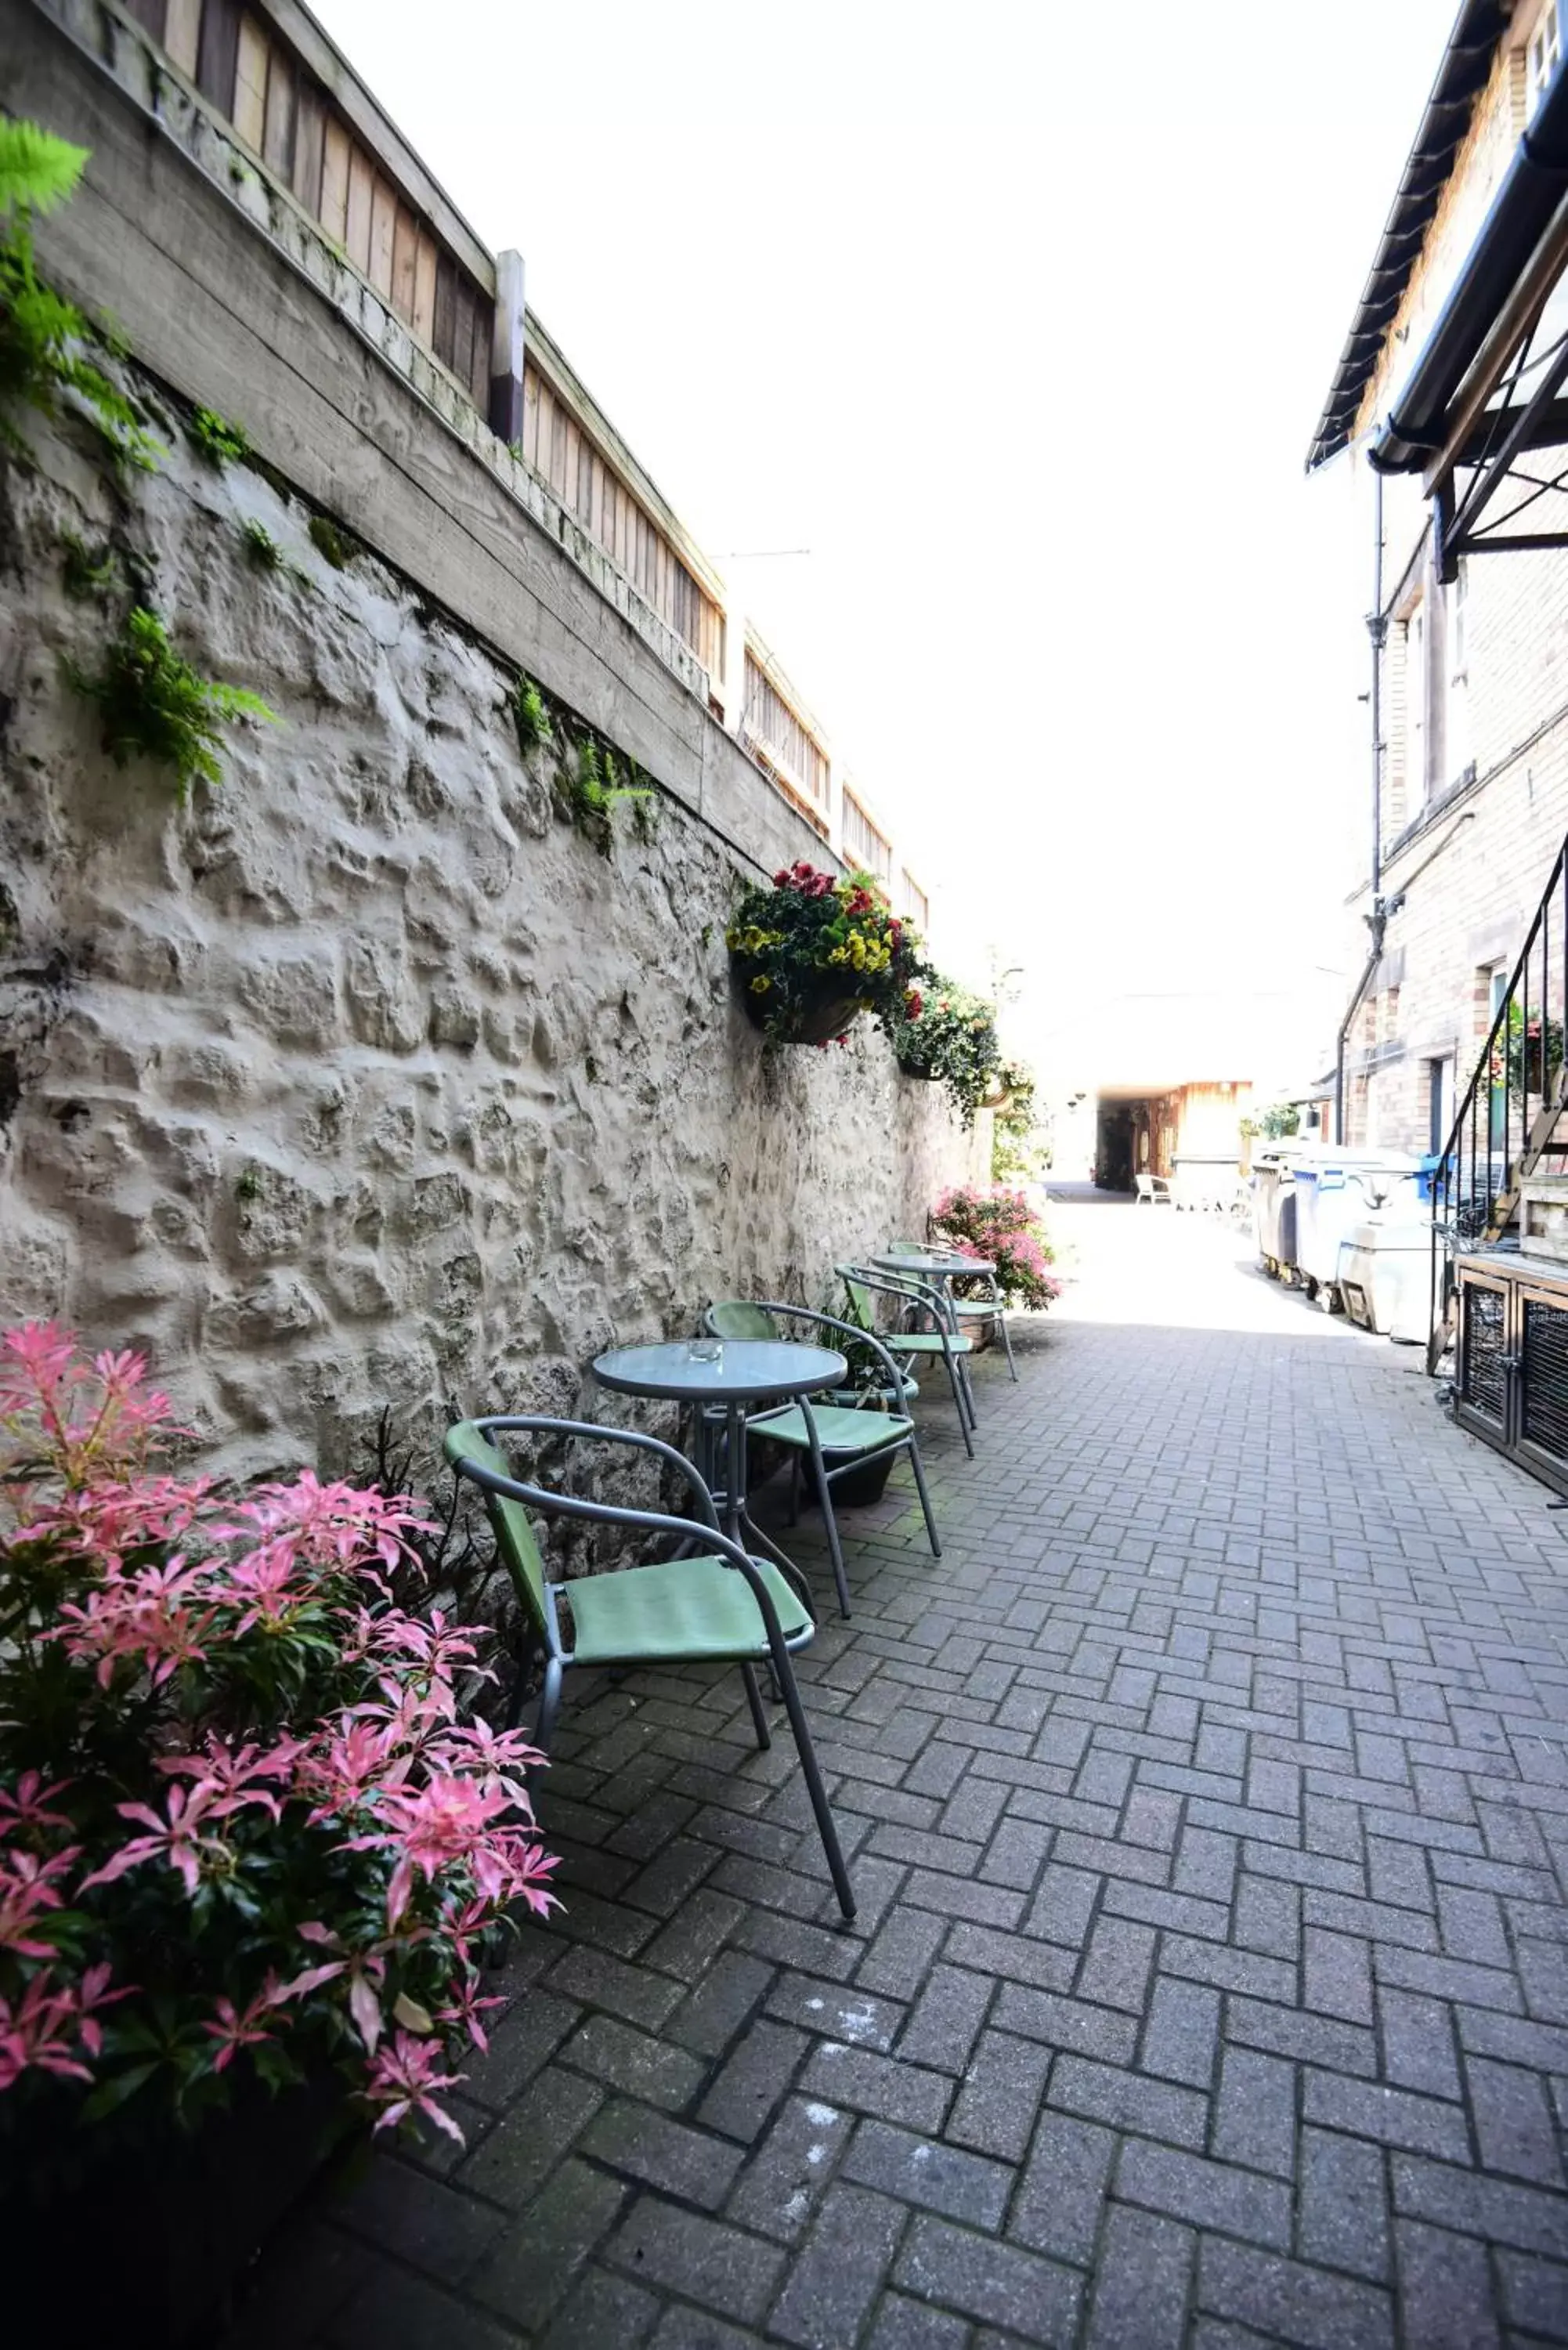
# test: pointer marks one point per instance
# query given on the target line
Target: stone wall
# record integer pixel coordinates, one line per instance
(364, 1077)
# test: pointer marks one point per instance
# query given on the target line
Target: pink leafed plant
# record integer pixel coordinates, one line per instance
(249, 1824)
(998, 1224)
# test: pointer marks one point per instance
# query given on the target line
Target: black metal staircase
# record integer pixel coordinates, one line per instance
(1513, 1121)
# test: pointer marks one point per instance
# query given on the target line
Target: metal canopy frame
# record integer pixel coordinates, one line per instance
(1500, 484)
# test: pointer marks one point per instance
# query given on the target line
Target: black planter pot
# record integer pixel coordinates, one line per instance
(867, 1482)
(143, 2253)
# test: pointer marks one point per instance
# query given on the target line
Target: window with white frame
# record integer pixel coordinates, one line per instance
(1541, 53)
(1458, 750)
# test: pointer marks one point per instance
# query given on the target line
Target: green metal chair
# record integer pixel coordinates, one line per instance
(815, 1429)
(989, 1308)
(718, 1607)
(863, 1284)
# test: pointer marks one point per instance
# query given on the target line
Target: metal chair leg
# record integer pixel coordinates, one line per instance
(784, 1674)
(957, 1400)
(1007, 1344)
(829, 1520)
(918, 1466)
(549, 1705)
(758, 1719)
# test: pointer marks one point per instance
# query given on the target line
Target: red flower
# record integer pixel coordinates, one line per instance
(781, 879)
(914, 1004)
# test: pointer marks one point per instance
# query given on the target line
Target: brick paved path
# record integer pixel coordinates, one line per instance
(1208, 1809)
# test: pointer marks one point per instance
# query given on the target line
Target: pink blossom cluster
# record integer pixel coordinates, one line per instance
(289, 1712)
(999, 1226)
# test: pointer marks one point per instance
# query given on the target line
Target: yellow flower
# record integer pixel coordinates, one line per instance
(839, 955)
(732, 936)
(761, 984)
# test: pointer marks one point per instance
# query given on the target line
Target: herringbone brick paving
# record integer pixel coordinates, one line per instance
(1208, 1810)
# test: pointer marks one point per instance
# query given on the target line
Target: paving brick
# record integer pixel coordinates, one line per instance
(991, 2281)
(1535, 2294)
(883, 2085)
(838, 2277)
(646, 2144)
(1116, 1967)
(595, 1979)
(395, 2311)
(999, 2100)
(1285, 2301)
(603, 2312)
(1063, 1905)
(791, 2168)
(1393, 2116)
(1181, 2033)
(1444, 2289)
(1209, 2194)
(1515, 2132)
(1418, 2041)
(1293, 2031)
(1338, 1969)
(536, 2260)
(1142, 2281)
(1013, 1956)
(1474, 2204)
(519, 2153)
(1057, 2205)
(526, 2037)
(744, 2091)
(428, 2223)
(1073, 2023)
(945, 2019)
(706, 2261)
(923, 2171)
(629, 2060)
(834, 2011)
(1128, 2101)
(1255, 2114)
(1341, 2220)
(904, 2324)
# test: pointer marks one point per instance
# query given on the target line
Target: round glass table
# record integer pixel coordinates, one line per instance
(934, 1267)
(732, 1372)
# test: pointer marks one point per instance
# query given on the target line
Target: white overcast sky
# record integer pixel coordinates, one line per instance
(1019, 318)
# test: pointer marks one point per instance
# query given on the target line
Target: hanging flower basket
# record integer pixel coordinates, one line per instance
(814, 948)
(806, 1021)
(952, 1039)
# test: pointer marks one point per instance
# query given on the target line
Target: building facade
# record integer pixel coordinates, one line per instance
(1470, 638)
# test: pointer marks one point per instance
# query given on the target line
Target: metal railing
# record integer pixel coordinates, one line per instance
(1511, 1117)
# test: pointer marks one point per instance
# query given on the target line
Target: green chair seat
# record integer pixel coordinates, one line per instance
(688, 1609)
(924, 1342)
(839, 1428)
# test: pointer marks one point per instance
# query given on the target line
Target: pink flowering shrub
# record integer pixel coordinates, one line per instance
(244, 1827)
(1000, 1226)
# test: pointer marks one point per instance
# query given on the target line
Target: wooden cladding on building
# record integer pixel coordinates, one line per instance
(864, 843)
(276, 106)
(788, 748)
(561, 454)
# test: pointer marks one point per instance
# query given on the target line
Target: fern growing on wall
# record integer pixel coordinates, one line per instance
(155, 706)
(42, 338)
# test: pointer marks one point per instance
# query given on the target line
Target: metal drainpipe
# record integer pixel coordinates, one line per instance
(1377, 920)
